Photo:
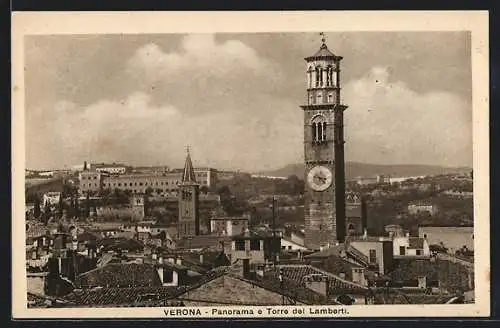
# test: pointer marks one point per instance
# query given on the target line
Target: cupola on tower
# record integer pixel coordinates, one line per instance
(324, 151)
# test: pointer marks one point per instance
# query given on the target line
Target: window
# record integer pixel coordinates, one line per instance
(319, 74)
(283, 247)
(402, 250)
(330, 97)
(419, 252)
(255, 245)
(240, 245)
(168, 275)
(319, 128)
(319, 99)
(289, 247)
(373, 256)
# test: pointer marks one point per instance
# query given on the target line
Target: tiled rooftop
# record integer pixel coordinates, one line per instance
(130, 296)
(120, 275)
(147, 295)
(296, 273)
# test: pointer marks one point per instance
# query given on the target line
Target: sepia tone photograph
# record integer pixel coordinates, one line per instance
(244, 173)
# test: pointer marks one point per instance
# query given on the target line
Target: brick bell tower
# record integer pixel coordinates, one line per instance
(324, 151)
(189, 191)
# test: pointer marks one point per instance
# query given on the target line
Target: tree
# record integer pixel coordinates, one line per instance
(47, 213)
(76, 208)
(36, 209)
(87, 206)
(60, 206)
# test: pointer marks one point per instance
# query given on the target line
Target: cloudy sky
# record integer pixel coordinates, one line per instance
(234, 98)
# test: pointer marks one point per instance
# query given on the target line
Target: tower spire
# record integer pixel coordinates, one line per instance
(188, 175)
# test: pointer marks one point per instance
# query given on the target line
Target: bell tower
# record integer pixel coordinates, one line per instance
(324, 151)
(189, 191)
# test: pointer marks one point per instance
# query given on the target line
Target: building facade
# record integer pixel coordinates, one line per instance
(324, 151)
(228, 226)
(90, 181)
(164, 184)
(418, 207)
(110, 168)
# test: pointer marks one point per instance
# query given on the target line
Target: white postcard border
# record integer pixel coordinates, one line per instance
(40, 23)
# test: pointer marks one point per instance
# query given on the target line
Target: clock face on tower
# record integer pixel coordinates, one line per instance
(319, 178)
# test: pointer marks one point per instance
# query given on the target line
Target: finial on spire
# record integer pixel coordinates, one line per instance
(187, 149)
(323, 38)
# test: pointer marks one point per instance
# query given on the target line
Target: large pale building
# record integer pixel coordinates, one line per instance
(164, 184)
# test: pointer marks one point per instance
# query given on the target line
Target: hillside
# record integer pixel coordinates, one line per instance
(355, 169)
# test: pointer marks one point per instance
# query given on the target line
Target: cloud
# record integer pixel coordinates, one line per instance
(204, 75)
(388, 121)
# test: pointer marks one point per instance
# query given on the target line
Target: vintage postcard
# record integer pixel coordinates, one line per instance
(250, 164)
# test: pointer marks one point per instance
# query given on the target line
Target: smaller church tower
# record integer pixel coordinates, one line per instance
(189, 215)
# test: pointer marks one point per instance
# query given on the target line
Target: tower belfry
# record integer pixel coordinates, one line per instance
(188, 221)
(324, 150)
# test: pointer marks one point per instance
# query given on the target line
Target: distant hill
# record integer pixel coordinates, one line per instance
(356, 169)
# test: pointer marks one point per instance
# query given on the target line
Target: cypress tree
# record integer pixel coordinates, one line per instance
(36, 209)
(87, 206)
(60, 206)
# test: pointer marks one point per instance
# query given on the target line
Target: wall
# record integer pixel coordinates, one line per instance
(453, 238)
(218, 227)
(36, 284)
(365, 246)
(236, 227)
(256, 256)
(289, 245)
(224, 290)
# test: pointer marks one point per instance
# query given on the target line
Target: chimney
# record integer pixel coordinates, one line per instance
(365, 234)
(171, 260)
(201, 258)
(154, 256)
(160, 260)
(391, 234)
(178, 260)
(407, 235)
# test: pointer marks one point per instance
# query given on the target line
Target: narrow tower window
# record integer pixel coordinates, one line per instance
(323, 137)
(320, 131)
(314, 134)
(318, 76)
